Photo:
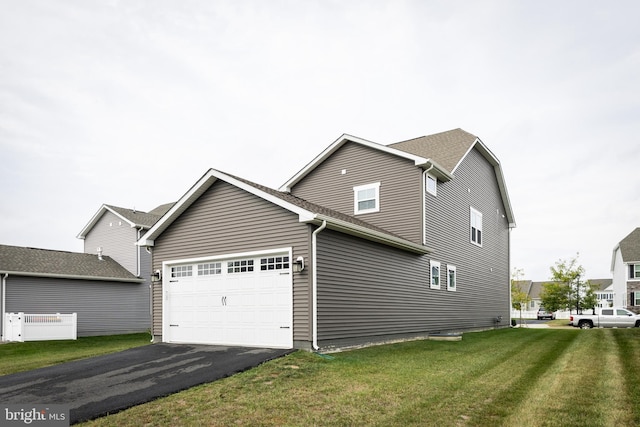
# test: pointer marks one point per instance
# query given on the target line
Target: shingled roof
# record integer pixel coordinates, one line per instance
(446, 148)
(22, 261)
(135, 218)
(630, 246)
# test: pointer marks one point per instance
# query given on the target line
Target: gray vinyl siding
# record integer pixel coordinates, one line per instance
(400, 187)
(226, 219)
(482, 272)
(117, 239)
(104, 308)
(368, 292)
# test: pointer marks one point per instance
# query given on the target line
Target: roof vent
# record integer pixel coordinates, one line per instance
(100, 253)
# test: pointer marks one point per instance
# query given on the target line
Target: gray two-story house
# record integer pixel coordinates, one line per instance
(368, 243)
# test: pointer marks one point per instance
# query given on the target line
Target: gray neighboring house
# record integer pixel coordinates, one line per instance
(107, 297)
(368, 243)
(625, 267)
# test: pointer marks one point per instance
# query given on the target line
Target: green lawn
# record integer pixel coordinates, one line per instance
(24, 356)
(508, 377)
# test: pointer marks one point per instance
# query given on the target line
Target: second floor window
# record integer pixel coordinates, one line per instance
(366, 198)
(634, 271)
(476, 227)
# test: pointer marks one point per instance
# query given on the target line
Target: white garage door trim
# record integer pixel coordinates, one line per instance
(230, 306)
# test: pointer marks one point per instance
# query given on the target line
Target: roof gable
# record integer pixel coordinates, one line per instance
(22, 261)
(133, 217)
(440, 153)
(418, 160)
(630, 247)
(307, 212)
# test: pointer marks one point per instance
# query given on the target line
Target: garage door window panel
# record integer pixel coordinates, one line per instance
(209, 269)
(240, 266)
(274, 263)
(182, 271)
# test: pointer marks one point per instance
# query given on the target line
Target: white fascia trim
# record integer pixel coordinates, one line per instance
(339, 143)
(488, 154)
(94, 220)
(72, 276)
(212, 175)
(366, 233)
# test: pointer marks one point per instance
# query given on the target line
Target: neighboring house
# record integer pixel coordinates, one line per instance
(107, 298)
(604, 292)
(368, 243)
(114, 231)
(625, 267)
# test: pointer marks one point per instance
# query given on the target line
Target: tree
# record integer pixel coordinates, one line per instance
(555, 296)
(519, 297)
(590, 299)
(567, 281)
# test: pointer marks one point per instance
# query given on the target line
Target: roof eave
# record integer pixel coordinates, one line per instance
(286, 187)
(369, 234)
(72, 276)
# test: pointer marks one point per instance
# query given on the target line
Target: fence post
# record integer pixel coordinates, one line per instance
(75, 326)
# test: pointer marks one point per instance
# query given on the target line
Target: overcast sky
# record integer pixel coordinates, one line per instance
(130, 102)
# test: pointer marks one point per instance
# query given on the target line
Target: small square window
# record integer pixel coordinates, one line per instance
(634, 271)
(431, 184)
(366, 198)
(182, 271)
(434, 274)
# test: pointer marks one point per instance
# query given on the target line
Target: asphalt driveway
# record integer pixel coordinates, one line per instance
(106, 384)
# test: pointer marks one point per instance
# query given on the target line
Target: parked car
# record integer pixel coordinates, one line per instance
(544, 314)
(613, 317)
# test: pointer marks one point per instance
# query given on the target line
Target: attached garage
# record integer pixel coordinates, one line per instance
(236, 299)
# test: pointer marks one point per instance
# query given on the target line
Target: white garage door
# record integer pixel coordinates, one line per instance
(241, 301)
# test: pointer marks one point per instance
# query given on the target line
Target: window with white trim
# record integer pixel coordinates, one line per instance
(634, 271)
(240, 266)
(635, 298)
(366, 198)
(431, 184)
(452, 278)
(434, 274)
(209, 268)
(182, 271)
(274, 263)
(475, 220)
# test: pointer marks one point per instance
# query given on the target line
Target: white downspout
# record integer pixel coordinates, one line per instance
(314, 282)
(4, 302)
(424, 203)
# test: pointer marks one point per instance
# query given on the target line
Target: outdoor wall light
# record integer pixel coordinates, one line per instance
(156, 276)
(298, 265)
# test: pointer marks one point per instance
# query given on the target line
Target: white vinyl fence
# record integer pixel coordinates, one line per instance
(40, 327)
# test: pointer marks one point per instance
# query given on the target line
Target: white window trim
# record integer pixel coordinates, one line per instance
(455, 278)
(433, 264)
(428, 177)
(474, 212)
(376, 187)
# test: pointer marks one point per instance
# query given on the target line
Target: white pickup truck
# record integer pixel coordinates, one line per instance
(613, 317)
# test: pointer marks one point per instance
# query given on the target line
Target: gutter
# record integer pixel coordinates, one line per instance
(314, 282)
(369, 234)
(424, 202)
(74, 276)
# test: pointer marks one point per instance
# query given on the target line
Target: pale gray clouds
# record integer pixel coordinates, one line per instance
(129, 102)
